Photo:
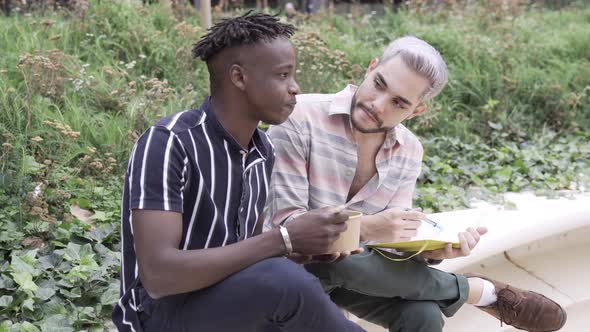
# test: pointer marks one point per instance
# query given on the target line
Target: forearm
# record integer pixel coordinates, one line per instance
(179, 271)
(366, 224)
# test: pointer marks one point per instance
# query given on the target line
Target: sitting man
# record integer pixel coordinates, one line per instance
(193, 257)
(351, 149)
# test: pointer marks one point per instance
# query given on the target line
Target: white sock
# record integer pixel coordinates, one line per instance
(488, 295)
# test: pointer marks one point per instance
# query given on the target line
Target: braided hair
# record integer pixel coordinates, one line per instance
(247, 29)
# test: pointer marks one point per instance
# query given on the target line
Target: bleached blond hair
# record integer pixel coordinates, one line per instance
(423, 59)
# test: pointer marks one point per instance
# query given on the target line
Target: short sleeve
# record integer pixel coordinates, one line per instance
(157, 171)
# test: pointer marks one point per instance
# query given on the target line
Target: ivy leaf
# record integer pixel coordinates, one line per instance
(31, 166)
(45, 293)
(5, 301)
(100, 233)
(75, 293)
(54, 306)
(29, 304)
(25, 327)
(56, 323)
(6, 283)
(25, 281)
(86, 250)
(49, 261)
(25, 264)
(72, 252)
(111, 295)
(5, 326)
(99, 216)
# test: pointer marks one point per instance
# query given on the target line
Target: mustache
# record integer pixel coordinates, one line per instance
(371, 112)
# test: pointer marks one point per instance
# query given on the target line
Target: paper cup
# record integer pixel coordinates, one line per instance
(349, 239)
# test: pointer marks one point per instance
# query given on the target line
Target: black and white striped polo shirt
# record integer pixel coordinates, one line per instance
(189, 163)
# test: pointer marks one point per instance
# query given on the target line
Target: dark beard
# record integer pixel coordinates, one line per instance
(356, 125)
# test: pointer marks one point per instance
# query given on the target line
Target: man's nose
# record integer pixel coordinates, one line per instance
(379, 105)
(294, 88)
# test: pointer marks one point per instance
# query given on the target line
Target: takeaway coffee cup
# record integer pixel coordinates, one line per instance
(349, 239)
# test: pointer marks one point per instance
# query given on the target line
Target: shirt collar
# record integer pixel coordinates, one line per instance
(341, 106)
(257, 144)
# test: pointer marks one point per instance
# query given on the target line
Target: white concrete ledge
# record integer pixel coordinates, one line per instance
(542, 245)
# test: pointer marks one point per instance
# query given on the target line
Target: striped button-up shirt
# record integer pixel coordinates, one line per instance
(316, 162)
(188, 163)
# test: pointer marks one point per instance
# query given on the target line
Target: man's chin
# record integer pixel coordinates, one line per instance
(364, 130)
(276, 120)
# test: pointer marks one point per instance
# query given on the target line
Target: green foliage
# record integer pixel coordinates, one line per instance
(76, 93)
(455, 171)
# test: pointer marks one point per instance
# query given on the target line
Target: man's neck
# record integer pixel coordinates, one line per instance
(234, 118)
(368, 139)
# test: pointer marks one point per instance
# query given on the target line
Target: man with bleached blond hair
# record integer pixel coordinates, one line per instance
(350, 148)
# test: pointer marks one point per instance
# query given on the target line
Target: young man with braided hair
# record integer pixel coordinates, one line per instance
(351, 148)
(193, 257)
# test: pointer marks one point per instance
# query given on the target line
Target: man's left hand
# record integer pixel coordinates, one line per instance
(468, 240)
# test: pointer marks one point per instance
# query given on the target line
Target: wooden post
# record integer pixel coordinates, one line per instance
(205, 14)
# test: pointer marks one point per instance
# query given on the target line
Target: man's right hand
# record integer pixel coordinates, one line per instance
(313, 233)
(391, 225)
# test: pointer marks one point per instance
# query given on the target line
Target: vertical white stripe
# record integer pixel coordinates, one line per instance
(174, 120)
(257, 198)
(202, 120)
(194, 214)
(228, 195)
(268, 139)
(249, 205)
(214, 221)
(265, 179)
(165, 172)
(198, 199)
(134, 305)
(182, 178)
(122, 234)
(130, 181)
(120, 303)
(136, 267)
(143, 167)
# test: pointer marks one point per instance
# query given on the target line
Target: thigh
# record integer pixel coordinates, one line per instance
(272, 295)
(372, 274)
(395, 314)
(245, 301)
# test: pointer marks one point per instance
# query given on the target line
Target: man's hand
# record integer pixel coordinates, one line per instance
(391, 225)
(325, 258)
(313, 233)
(468, 240)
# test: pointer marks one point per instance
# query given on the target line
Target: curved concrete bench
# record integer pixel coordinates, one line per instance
(542, 245)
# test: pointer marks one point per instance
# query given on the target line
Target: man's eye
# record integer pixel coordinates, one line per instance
(284, 75)
(377, 84)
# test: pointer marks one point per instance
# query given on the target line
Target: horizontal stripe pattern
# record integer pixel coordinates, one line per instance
(316, 161)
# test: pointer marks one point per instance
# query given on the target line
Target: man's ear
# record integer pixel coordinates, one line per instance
(237, 76)
(421, 108)
(372, 65)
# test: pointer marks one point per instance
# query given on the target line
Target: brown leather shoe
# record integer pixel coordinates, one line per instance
(525, 310)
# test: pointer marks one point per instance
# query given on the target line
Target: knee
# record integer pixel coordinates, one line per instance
(280, 276)
(422, 316)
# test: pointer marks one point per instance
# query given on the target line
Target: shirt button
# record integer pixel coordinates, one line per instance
(349, 173)
(241, 209)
